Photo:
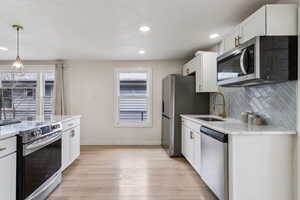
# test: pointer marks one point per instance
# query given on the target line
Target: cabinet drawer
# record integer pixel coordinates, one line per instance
(70, 124)
(7, 146)
(191, 125)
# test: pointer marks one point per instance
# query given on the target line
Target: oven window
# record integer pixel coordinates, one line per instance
(230, 67)
(39, 166)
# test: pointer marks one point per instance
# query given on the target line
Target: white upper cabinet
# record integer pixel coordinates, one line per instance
(282, 19)
(274, 19)
(206, 72)
(189, 68)
(255, 25)
(231, 39)
(204, 65)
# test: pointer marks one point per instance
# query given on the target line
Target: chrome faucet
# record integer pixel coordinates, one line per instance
(223, 114)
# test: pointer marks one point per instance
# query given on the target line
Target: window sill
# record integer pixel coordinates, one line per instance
(132, 125)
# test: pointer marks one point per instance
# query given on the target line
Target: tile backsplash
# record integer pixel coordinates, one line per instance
(276, 103)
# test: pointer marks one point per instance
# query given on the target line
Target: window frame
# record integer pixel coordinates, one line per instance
(40, 89)
(129, 124)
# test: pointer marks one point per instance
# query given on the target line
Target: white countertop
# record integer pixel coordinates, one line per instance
(236, 127)
(14, 129)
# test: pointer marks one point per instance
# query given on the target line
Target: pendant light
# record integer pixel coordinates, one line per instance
(18, 66)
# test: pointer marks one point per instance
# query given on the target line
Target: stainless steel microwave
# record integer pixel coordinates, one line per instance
(261, 60)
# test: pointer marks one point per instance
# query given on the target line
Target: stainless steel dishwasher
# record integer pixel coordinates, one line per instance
(214, 169)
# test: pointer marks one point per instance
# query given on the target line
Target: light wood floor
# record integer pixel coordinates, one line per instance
(130, 173)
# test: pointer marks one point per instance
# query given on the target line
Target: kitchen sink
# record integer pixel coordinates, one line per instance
(210, 119)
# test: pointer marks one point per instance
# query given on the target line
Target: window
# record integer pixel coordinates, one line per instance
(26, 96)
(48, 81)
(133, 97)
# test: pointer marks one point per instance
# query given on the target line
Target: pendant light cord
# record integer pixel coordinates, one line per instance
(18, 42)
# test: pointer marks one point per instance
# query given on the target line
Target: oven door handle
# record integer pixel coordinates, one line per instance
(242, 62)
(32, 147)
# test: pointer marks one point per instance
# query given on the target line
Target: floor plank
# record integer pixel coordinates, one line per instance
(130, 173)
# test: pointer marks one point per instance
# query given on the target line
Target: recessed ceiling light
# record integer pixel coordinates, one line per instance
(215, 35)
(142, 51)
(145, 28)
(3, 48)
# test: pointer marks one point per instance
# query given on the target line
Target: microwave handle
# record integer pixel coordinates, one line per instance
(242, 62)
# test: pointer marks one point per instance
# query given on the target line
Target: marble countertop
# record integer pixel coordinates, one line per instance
(26, 124)
(236, 127)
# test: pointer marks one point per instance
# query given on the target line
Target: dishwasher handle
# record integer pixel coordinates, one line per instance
(221, 137)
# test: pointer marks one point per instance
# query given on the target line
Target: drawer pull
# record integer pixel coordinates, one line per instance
(73, 133)
(2, 149)
(191, 135)
(70, 124)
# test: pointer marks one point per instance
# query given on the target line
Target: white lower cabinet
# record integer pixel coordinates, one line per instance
(187, 144)
(65, 150)
(191, 147)
(70, 145)
(197, 152)
(8, 177)
(75, 143)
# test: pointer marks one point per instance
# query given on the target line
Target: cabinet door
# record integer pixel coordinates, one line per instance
(254, 25)
(8, 177)
(184, 133)
(199, 74)
(229, 40)
(197, 152)
(190, 146)
(206, 74)
(75, 143)
(65, 150)
(281, 19)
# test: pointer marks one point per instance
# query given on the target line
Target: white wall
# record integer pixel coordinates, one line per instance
(89, 90)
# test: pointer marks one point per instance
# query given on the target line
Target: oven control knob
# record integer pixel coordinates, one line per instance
(34, 134)
(39, 132)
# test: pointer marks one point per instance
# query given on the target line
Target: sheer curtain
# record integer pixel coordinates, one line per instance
(59, 107)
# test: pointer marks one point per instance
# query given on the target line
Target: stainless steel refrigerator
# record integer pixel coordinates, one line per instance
(179, 97)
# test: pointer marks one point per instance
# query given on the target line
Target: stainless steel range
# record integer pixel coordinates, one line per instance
(39, 161)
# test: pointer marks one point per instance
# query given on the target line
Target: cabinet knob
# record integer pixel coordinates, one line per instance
(238, 40)
(235, 41)
(73, 133)
(191, 135)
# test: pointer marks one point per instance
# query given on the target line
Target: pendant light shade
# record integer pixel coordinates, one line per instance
(18, 66)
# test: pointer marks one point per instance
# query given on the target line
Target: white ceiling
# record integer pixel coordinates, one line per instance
(108, 29)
